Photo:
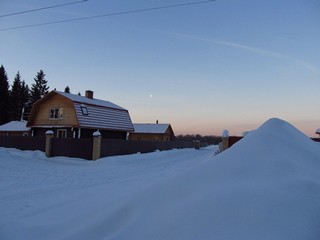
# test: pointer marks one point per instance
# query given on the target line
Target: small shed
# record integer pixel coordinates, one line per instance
(152, 132)
(15, 128)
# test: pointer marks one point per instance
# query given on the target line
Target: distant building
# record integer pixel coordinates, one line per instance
(15, 128)
(318, 131)
(74, 116)
(152, 132)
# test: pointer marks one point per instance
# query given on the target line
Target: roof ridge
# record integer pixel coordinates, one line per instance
(93, 101)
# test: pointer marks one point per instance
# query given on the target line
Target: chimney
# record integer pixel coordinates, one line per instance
(89, 94)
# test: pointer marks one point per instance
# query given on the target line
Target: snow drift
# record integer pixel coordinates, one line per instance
(267, 186)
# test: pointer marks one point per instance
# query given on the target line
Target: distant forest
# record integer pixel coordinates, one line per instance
(193, 137)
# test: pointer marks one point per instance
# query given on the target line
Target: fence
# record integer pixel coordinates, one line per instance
(72, 147)
(90, 148)
(23, 143)
(230, 140)
(122, 147)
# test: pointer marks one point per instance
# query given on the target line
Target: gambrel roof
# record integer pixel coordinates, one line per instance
(89, 101)
(94, 113)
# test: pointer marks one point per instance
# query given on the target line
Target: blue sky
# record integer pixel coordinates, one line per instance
(227, 64)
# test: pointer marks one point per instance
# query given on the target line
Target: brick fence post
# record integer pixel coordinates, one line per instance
(96, 150)
(225, 141)
(49, 136)
(196, 144)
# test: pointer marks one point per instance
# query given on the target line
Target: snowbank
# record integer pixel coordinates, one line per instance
(267, 186)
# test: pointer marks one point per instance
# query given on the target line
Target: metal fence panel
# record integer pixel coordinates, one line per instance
(23, 143)
(72, 147)
(123, 147)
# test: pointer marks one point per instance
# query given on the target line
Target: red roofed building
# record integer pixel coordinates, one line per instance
(152, 132)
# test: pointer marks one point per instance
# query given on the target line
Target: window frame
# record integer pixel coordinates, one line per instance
(84, 110)
(62, 133)
(55, 113)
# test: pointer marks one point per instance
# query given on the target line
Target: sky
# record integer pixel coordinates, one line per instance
(203, 68)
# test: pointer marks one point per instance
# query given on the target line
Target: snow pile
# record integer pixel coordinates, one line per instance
(267, 186)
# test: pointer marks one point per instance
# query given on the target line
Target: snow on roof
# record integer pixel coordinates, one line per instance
(150, 127)
(103, 118)
(99, 114)
(14, 126)
(85, 100)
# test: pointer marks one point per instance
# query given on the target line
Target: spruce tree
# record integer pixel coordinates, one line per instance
(39, 88)
(25, 94)
(16, 98)
(25, 99)
(4, 97)
(67, 89)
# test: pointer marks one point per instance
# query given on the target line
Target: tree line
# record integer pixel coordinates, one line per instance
(16, 99)
(193, 137)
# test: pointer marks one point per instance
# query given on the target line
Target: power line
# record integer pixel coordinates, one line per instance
(42, 8)
(108, 15)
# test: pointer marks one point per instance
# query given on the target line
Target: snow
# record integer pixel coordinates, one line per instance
(225, 133)
(318, 131)
(266, 186)
(49, 132)
(96, 134)
(94, 101)
(150, 127)
(15, 126)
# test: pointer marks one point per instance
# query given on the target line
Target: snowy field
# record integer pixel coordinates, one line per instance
(267, 186)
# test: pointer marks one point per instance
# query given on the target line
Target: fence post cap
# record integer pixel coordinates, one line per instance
(49, 132)
(225, 133)
(96, 134)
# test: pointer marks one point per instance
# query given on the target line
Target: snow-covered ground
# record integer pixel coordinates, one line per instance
(267, 186)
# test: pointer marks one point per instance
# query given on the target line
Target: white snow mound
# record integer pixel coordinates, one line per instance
(265, 187)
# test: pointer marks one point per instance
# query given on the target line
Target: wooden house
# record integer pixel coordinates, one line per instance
(15, 128)
(74, 116)
(152, 132)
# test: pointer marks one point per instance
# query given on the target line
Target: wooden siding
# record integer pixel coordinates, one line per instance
(41, 132)
(41, 112)
(149, 137)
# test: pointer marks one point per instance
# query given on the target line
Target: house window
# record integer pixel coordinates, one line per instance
(56, 113)
(61, 133)
(84, 109)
